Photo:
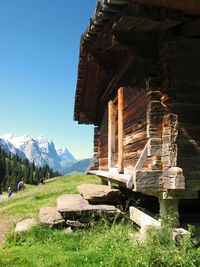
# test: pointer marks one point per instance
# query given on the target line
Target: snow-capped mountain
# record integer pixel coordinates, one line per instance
(41, 150)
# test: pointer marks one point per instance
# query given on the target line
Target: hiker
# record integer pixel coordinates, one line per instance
(19, 186)
(22, 185)
(9, 191)
(42, 180)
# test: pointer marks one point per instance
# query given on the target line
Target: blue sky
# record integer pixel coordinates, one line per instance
(39, 49)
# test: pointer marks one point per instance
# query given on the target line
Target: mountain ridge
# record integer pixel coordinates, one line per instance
(78, 167)
(39, 149)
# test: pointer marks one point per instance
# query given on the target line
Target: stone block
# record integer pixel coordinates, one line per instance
(99, 193)
(174, 178)
(147, 180)
(25, 225)
(74, 206)
(50, 217)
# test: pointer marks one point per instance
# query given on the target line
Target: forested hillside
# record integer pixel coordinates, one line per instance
(13, 169)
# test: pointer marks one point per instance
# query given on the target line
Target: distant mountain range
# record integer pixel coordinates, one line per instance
(40, 150)
(78, 167)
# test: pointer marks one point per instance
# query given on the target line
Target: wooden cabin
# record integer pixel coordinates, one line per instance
(139, 84)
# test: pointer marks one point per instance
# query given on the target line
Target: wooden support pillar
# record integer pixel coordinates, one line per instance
(120, 131)
(111, 135)
(169, 209)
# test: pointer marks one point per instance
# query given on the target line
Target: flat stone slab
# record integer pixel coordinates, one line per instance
(50, 217)
(74, 206)
(25, 225)
(99, 193)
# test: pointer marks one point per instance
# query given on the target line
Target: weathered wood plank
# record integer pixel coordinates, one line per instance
(141, 159)
(113, 177)
(142, 219)
(91, 165)
(111, 134)
(120, 132)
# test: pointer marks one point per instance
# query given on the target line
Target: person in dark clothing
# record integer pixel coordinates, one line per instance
(42, 180)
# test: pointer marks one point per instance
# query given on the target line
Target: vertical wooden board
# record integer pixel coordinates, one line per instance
(103, 148)
(134, 124)
(111, 134)
(120, 131)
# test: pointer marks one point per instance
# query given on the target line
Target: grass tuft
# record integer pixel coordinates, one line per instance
(104, 243)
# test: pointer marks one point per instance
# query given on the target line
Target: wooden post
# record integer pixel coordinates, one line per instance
(120, 131)
(111, 135)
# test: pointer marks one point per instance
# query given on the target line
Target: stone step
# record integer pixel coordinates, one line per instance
(72, 206)
(50, 217)
(74, 211)
(98, 194)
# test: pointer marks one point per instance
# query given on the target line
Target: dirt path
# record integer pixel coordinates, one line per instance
(14, 204)
(3, 198)
(5, 224)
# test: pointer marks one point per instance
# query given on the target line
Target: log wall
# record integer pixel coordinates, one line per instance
(182, 65)
(103, 150)
(134, 123)
(180, 75)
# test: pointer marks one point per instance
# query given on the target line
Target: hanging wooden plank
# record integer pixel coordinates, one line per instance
(120, 131)
(111, 134)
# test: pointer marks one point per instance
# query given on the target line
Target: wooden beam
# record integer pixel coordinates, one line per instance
(113, 83)
(111, 134)
(120, 132)
(188, 6)
(142, 219)
(113, 177)
(91, 164)
(118, 2)
(137, 167)
(141, 159)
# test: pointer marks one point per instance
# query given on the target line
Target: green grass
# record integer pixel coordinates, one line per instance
(28, 202)
(103, 244)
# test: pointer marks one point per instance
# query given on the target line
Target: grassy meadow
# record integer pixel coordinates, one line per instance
(101, 244)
